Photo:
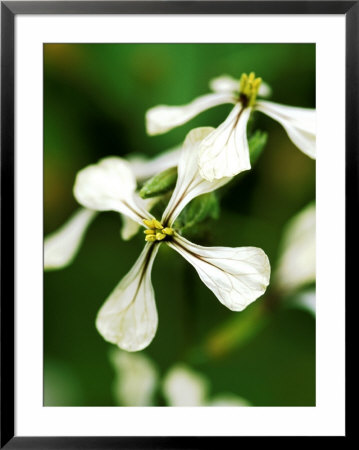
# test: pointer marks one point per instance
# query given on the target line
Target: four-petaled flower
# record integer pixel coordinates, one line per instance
(237, 276)
(225, 152)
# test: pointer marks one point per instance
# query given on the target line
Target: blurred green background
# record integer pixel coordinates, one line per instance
(95, 98)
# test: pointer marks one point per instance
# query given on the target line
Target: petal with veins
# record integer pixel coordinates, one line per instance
(109, 185)
(237, 276)
(128, 318)
(162, 118)
(189, 184)
(61, 247)
(129, 226)
(299, 123)
(225, 152)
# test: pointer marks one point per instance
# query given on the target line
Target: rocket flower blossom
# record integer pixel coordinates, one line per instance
(225, 151)
(61, 246)
(237, 276)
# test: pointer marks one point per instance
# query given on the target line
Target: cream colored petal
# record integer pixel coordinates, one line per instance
(299, 123)
(109, 185)
(130, 227)
(61, 247)
(264, 90)
(228, 400)
(306, 300)
(225, 152)
(189, 184)
(128, 318)
(136, 378)
(297, 262)
(162, 118)
(236, 276)
(224, 83)
(184, 387)
(144, 168)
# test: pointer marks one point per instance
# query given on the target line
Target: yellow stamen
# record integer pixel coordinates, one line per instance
(248, 87)
(157, 224)
(148, 223)
(150, 238)
(156, 231)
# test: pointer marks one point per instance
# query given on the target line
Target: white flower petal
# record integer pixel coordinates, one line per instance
(264, 90)
(61, 247)
(299, 123)
(224, 83)
(306, 300)
(136, 378)
(228, 400)
(189, 184)
(225, 152)
(162, 118)
(109, 185)
(128, 318)
(129, 226)
(237, 276)
(297, 265)
(144, 168)
(184, 387)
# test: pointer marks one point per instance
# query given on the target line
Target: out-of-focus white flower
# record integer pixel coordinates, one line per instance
(296, 265)
(61, 246)
(237, 276)
(306, 301)
(183, 386)
(225, 151)
(136, 378)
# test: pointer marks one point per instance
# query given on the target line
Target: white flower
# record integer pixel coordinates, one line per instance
(297, 263)
(225, 152)
(183, 386)
(237, 276)
(136, 378)
(61, 246)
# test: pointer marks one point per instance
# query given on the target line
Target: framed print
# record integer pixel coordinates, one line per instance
(177, 190)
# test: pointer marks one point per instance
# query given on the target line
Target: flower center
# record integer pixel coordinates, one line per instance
(248, 88)
(156, 231)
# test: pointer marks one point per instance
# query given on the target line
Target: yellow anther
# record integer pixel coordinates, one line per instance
(155, 230)
(168, 231)
(149, 223)
(157, 224)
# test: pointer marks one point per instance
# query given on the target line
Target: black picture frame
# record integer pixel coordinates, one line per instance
(9, 11)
